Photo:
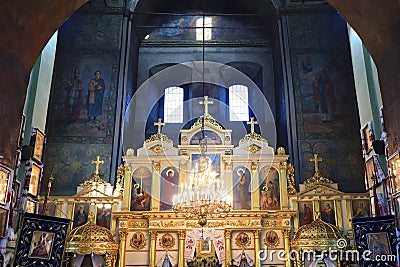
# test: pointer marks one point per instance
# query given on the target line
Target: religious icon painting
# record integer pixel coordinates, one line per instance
(34, 179)
(369, 172)
(327, 209)
(368, 137)
(397, 208)
(41, 245)
(241, 190)
(41, 241)
(50, 210)
(271, 239)
(167, 241)
(5, 175)
(242, 240)
(141, 189)
(269, 189)
(360, 208)
(377, 235)
(138, 241)
(81, 212)
(168, 187)
(205, 246)
(306, 214)
(3, 222)
(103, 215)
(38, 140)
(30, 206)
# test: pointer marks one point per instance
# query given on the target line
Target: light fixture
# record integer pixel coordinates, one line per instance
(204, 195)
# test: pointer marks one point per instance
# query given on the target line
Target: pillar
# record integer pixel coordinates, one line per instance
(155, 187)
(228, 247)
(127, 188)
(283, 185)
(181, 248)
(257, 246)
(286, 245)
(228, 179)
(255, 185)
(122, 246)
(153, 239)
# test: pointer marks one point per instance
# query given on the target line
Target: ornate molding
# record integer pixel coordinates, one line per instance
(167, 224)
(252, 137)
(182, 234)
(271, 239)
(290, 177)
(138, 240)
(122, 235)
(208, 119)
(242, 240)
(167, 241)
(257, 233)
(244, 223)
(156, 166)
(158, 137)
(137, 224)
(153, 235)
(281, 151)
(228, 234)
(271, 223)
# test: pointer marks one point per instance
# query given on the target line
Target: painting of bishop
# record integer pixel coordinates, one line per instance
(269, 189)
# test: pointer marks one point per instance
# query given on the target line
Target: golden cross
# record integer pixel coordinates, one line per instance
(206, 102)
(159, 124)
(252, 122)
(97, 162)
(316, 160)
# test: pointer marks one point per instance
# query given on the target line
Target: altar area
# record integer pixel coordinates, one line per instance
(206, 202)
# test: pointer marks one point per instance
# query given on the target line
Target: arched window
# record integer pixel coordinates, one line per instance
(173, 105)
(238, 103)
(207, 28)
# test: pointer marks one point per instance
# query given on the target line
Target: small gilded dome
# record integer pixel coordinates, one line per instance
(89, 238)
(317, 235)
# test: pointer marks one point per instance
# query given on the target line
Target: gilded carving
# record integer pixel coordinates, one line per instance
(167, 224)
(182, 234)
(228, 234)
(156, 166)
(270, 223)
(167, 241)
(271, 239)
(290, 178)
(242, 240)
(138, 241)
(184, 139)
(281, 151)
(227, 138)
(253, 148)
(138, 224)
(254, 165)
(244, 223)
(153, 235)
(122, 235)
(158, 149)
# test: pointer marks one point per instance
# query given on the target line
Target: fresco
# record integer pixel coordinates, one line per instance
(81, 114)
(326, 109)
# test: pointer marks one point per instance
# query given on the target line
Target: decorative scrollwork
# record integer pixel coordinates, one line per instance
(290, 175)
(138, 240)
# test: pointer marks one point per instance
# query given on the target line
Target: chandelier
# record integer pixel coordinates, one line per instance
(204, 194)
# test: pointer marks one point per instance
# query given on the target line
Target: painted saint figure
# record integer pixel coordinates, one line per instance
(80, 217)
(75, 99)
(243, 191)
(328, 215)
(168, 189)
(361, 212)
(306, 216)
(41, 248)
(94, 102)
(324, 96)
(378, 248)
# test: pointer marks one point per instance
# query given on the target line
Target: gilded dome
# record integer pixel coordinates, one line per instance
(317, 235)
(89, 238)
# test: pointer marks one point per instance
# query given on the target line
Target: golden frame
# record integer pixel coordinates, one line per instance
(34, 179)
(167, 241)
(39, 139)
(205, 248)
(3, 222)
(369, 171)
(242, 240)
(271, 239)
(368, 143)
(5, 175)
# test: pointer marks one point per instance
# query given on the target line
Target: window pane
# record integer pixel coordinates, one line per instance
(238, 103)
(173, 105)
(207, 29)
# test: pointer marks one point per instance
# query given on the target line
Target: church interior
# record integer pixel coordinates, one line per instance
(200, 133)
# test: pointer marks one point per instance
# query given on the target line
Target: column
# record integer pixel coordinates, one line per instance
(339, 215)
(228, 247)
(155, 186)
(283, 185)
(286, 235)
(127, 188)
(228, 179)
(122, 246)
(153, 239)
(257, 246)
(296, 216)
(181, 248)
(255, 185)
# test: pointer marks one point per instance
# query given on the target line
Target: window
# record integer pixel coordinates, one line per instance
(238, 103)
(173, 105)
(207, 28)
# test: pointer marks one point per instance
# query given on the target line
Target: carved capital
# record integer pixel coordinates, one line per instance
(283, 165)
(286, 232)
(228, 165)
(123, 235)
(257, 233)
(254, 165)
(228, 234)
(153, 235)
(281, 151)
(156, 166)
(182, 234)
